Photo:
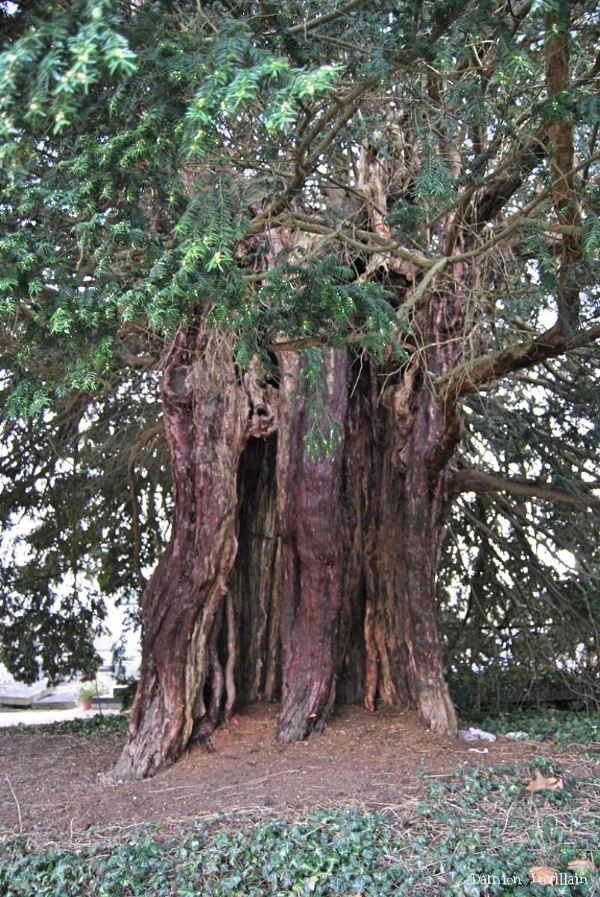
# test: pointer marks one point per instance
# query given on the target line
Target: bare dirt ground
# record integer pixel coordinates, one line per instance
(57, 788)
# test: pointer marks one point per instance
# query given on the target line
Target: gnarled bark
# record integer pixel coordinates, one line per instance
(312, 551)
(184, 690)
(255, 581)
(422, 513)
(336, 573)
(430, 433)
(404, 508)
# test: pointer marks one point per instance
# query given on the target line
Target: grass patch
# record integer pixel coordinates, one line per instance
(473, 833)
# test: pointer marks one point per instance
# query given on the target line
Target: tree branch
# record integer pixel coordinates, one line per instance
(328, 17)
(470, 480)
(474, 374)
(564, 195)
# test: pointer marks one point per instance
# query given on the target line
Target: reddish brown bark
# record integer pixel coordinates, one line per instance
(387, 680)
(423, 509)
(339, 552)
(405, 502)
(208, 416)
(312, 550)
(413, 443)
(427, 457)
(562, 156)
(255, 581)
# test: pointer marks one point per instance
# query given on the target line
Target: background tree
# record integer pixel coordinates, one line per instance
(84, 506)
(335, 234)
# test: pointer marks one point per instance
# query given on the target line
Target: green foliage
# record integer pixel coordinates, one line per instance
(70, 481)
(237, 73)
(324, 433)
(165, 135)
(591, 237)
(526, 616)
(319, 297)
(434, 187)
(325, 855)
(101, 725)
(564, 729)
(156, 159)
(69, 51)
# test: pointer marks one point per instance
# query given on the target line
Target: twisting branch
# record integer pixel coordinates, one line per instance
(472, 375)
(470, 480)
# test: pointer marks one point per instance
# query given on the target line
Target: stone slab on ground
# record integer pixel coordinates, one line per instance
(57, 701)
(105, 702)
(16, 694)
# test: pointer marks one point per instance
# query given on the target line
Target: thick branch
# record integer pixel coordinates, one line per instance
(470, 480)
(344, 107)
(472, 375)
(519, 166)
(137, 362)
(322, 340)
(562, 155)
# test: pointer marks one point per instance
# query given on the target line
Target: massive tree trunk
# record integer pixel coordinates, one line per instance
(423, 504)
(335, 578)
(405, 503)
(427, 434)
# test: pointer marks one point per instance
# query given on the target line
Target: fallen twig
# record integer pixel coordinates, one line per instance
(12, 791)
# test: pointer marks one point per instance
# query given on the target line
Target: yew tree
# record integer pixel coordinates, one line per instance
(340, 241)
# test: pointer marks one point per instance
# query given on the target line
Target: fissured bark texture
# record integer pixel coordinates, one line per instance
(291, 575)
(309, 490)
(189, 630)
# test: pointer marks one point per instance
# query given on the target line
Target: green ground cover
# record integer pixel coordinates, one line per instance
(475, 832)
